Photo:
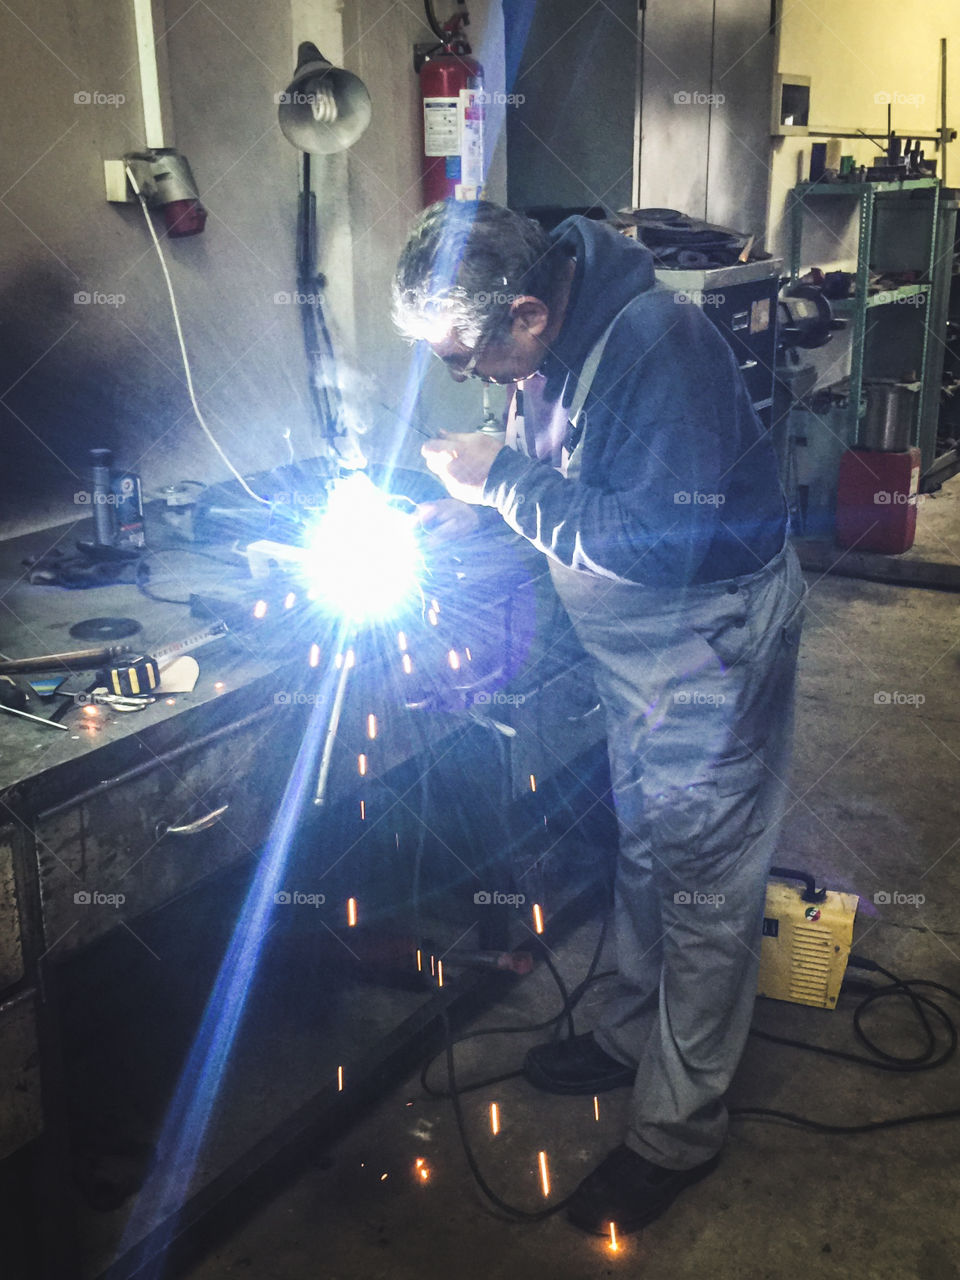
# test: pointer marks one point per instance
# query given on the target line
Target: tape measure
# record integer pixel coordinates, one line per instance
(135, 676)
(138, 676)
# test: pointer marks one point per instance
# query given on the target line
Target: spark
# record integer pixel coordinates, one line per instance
(260, 609)
(402, 641)
(537, 918)
(614, 1246)
(219, 684)
(494, 1119)
(596, 1107)
(351, 912)
(432, 615)
(439, 973)
(468, 653)
(422, 1169)
(371, 725)
(533, 782)
(419, 961)
(544, 1173)
(407, 664)
(289, 600)
(314, 658)
(340, 1079)
(363, 811)
(362, 765)
(89, 710)
(454, 660)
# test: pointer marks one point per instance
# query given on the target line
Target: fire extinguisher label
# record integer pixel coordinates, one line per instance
(441, 126)
(471, 137)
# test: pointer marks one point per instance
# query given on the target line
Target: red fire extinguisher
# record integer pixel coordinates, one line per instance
(451, 93)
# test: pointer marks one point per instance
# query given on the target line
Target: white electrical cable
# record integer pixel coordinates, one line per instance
(183, 346)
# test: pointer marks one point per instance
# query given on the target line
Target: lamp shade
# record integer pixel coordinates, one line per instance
(324, 109)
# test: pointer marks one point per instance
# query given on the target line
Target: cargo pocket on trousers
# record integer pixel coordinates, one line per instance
(708, 820)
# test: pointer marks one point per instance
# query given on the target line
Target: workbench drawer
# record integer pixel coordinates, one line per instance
(149, 835)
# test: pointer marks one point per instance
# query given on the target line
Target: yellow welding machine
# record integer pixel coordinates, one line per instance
(805, 945)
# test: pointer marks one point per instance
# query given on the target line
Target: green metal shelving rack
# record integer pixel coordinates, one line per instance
(869, 196)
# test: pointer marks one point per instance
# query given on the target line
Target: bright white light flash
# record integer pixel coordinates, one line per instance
(361, 559)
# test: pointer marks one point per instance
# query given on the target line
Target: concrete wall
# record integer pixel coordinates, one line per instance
(73, 374)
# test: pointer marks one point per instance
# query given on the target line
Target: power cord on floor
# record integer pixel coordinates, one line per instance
(932, 1055)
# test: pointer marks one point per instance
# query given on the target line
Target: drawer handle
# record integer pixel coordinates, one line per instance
(191, 828)
(749, 364)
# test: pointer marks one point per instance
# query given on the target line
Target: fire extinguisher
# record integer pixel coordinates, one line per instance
(451, 93)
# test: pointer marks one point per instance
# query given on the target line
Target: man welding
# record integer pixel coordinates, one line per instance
(636, 464)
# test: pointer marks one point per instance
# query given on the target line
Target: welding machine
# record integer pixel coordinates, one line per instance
(807, 935)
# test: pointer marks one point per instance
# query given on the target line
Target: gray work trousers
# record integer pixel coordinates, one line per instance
(697, 685)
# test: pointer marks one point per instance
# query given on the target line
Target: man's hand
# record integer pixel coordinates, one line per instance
(447, 519)
(462, 461)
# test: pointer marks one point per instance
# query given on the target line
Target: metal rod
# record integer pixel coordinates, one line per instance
(943, 110)
(331, 735)
(25, 715)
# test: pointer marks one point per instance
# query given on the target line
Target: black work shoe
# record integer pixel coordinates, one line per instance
(628, 1190)
(576, 1065)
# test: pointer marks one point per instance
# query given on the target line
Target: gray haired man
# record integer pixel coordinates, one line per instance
(635, 463)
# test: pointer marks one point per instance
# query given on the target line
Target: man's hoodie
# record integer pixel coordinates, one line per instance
(678, 482)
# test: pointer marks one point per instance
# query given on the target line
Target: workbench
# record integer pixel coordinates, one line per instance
(126, 817)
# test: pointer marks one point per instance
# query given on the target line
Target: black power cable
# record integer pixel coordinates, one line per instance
(930, 1056)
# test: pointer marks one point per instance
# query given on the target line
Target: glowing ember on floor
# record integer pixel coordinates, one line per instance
(614, 1246)
(422, 1169)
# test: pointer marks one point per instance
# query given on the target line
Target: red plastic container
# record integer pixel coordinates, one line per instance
(877, 500)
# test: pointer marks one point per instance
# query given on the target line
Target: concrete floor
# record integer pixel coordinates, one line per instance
(875, 809)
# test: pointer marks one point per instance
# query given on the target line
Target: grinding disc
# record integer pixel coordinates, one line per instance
(105, 629)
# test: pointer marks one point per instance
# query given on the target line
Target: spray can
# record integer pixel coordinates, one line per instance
(103, 502)
(128, 504)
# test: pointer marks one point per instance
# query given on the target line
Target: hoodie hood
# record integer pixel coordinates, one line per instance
(618, 269)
